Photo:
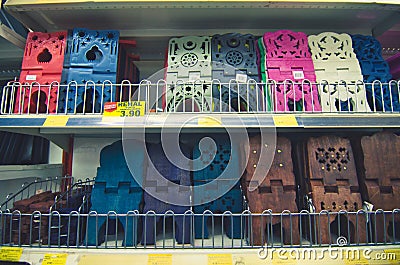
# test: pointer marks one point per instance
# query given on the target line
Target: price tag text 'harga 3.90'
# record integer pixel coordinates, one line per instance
(124, 109)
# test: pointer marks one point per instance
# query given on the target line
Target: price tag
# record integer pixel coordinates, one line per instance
(55, 259)
(219, 259)
(124, 109)
(241, 78)
(298, 75)
(56, 121)
(285, 121)
(30, 77)
(10, 253)
(208, 121)
(193, 76)
(159, 259)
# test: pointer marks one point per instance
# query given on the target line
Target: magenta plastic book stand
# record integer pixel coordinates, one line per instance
(289, 63)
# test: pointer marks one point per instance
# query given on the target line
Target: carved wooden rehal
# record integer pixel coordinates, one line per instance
(333, 185)
(276, 192)
(382, 179)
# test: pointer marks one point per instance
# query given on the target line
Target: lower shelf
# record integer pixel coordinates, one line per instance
(191, 230)
(333, 255)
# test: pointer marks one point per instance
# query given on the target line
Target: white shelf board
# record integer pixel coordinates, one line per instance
(112, 256)
(10, 172)
(176, 18)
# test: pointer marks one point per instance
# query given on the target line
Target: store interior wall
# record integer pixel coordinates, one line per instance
(86, 157)
(11, 186)
(19, 149)
(55, 154)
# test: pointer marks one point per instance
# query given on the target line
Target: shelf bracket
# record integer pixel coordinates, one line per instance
(61, 140)
(11, 29)
(12, 36)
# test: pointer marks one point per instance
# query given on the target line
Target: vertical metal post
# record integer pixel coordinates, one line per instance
(67, 165)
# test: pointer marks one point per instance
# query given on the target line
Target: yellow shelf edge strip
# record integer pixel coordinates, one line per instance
(56, 121)
(209, 122)
(285, 121)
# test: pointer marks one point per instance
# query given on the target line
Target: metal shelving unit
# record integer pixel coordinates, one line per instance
(151, 23)
(206, 17)
(59, 127)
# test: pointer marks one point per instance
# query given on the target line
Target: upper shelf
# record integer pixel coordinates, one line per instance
(59, 128)
(174, 18)
(92, 123)
(25, 110)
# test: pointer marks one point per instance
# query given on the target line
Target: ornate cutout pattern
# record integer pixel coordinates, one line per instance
(337, 70)
(381, 178)
(155, 185)
(235, 63)
(91, 59)
(115, 190)
(375, 68)
(285, 44)
(232, 200)
(96, 49)
(276, 192)
(42, 64)
(289, 63)
(332, 159)
(189, 60)
(333, 185)
(330, 46)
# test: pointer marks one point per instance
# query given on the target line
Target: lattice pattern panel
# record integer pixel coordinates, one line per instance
(42, 65)
(234, 61)
(335, 63)
(226, 153)
(276, 192)
(333, 185)
(381, 156)
(189, 66)
(154, 185)
(115, 190)
(375, 68)
(91, 58)
(288, 59)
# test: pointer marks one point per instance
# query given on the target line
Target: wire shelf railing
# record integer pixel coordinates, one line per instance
(42, 229)
(203, 96)
(53, 184)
